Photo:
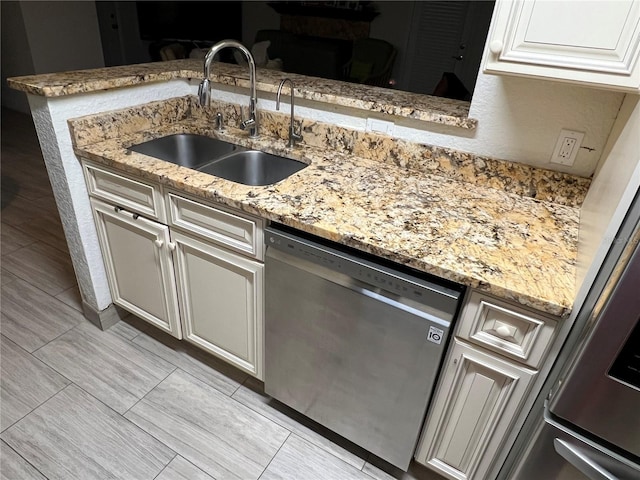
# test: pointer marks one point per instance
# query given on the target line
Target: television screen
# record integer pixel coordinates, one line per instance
(197, 21)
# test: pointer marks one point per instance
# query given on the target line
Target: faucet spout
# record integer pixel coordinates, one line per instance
(294, 136)
(204, 90)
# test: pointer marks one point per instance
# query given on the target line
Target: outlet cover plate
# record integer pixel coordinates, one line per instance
(567, 147)
(380, 126)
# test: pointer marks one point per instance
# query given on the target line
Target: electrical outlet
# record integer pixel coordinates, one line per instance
(380, 126)
(567, 147)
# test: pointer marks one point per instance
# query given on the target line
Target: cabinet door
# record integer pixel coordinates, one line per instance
(593, 42)
(221, 301)
(476, 400)
(139, 266)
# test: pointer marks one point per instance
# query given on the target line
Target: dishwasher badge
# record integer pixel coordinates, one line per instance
(435, 335)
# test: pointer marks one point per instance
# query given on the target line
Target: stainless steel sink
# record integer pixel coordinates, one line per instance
(253, 167)
(220, 158)
(185, 149)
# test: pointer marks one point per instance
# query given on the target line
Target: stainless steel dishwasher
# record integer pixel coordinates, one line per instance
(354, 343)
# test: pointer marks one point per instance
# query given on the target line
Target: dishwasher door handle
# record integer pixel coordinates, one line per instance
(382, 297)
(356, 285)
(582, 462)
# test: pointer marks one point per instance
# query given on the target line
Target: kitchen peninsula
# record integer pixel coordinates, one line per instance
(467, 195)
(507, 231)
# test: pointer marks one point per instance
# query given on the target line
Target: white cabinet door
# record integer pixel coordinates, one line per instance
(221, 301)
(139, 266)
(475, 403)
(593, 42)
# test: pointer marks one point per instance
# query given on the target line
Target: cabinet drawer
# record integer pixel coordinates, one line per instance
(134, 195)
(234, 230)
(504, 328)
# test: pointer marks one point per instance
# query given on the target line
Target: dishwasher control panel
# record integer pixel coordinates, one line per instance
(336, 258)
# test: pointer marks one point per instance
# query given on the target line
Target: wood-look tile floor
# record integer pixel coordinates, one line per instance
(130, 402)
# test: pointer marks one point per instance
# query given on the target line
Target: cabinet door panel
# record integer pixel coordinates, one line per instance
(593, 42)
(138, 264)
(476, 400)
(221, 302)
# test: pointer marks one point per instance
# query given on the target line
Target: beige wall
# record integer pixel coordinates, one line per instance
(616, 182)
(62, 35)
(44, 37)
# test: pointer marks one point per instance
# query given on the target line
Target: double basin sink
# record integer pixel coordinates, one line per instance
(220, 158)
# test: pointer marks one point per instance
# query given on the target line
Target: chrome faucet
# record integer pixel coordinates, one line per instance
(293, 136)
(204, 90)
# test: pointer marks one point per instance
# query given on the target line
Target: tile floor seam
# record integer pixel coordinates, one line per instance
(289, 432)
(34, 240)
(26, 280)
(55, 338)
(275, 455)
(44, 401)
(27, 461)
(330, 453)
(141, 347)
(123, 417)
(18, 277)
(217, 389)
(71, 382)
(151, 390)
(18, 227)
(167, 465)
(24, 416)
(89, 393)
(131, 340)
(322, 447)
(77, 309)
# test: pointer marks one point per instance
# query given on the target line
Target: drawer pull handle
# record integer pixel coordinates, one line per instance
(496, 47)
(117, 209)
(504, 331)
(158, 243)
(172, 246)
(135, 216)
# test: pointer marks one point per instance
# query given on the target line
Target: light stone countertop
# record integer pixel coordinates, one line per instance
(409, 105)
(509, 245)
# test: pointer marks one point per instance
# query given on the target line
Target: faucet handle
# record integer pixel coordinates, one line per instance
(295, 137)
(204, 92)
(246, 122)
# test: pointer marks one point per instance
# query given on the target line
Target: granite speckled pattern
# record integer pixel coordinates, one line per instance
(509, 245)
(511, 177)
(374, 99)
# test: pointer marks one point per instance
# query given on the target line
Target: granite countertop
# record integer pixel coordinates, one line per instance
(513, 246)
(372, 99)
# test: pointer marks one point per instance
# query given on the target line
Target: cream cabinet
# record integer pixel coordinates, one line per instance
(220, 301)
(590, 42)
(198, 277)
(477, 398)
(139, 265)
(486, 377)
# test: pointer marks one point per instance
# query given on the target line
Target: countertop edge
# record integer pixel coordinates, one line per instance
(412, 106)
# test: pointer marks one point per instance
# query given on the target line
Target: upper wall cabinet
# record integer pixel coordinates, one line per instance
(591, 42)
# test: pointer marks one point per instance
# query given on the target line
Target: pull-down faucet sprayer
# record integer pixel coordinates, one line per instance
(204, 91)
